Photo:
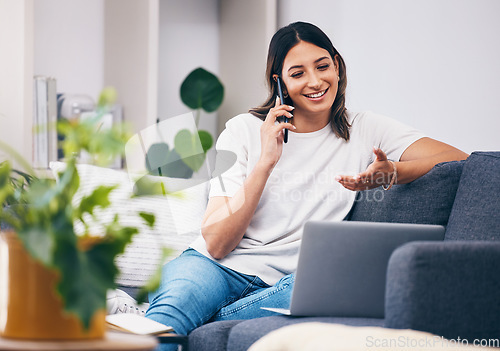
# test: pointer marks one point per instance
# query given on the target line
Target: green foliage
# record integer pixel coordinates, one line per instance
(206, 140)
(187, 146)
(148, 218)
(163, 161)
(42, 213)
(199, 90)
(91, 269)
(12, 182)
(107, 97)
(6, 187)
(202, 89)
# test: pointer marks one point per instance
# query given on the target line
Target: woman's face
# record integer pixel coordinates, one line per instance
(311, 78)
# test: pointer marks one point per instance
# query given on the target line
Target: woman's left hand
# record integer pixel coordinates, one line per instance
(380, 172)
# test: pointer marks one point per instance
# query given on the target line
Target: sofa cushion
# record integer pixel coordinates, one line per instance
(475, 213)
(244, 334)
(211, 336)
(316, 336)
(427, 200)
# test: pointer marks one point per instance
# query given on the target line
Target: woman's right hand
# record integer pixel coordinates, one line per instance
(271, 134)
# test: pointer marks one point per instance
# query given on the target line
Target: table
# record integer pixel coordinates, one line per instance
(113, 341)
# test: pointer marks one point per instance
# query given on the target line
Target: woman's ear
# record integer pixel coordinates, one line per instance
(336, 64)
(283, 86)
(285, 91)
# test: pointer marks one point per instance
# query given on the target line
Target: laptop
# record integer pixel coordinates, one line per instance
(342, 266)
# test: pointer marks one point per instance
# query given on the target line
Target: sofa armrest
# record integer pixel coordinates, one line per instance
(446, 288)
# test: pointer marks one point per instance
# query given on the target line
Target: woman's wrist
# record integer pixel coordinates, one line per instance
(393, 176)
(264, 166)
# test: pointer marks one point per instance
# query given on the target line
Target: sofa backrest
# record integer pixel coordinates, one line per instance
(427, 200)
(476, 212)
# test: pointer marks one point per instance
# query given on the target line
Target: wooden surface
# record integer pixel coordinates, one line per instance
(113, 341)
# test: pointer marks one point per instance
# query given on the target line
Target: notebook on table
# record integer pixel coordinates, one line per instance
(342, 266)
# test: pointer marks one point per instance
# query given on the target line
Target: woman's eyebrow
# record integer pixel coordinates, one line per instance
(300, 66)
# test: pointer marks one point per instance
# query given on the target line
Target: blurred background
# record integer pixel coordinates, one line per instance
(432, 64)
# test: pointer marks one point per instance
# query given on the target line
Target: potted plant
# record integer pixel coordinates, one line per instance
(53, 281)
(200, 90)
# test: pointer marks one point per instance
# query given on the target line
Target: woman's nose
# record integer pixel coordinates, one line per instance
(314, 81)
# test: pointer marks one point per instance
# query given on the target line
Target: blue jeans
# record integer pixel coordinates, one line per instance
(195, 290)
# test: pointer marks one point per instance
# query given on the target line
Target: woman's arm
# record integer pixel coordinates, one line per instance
(422, 155)
(227, 218)
(416, 160)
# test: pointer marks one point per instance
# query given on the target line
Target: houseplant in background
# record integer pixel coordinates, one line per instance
(200, 90)
(54, 282)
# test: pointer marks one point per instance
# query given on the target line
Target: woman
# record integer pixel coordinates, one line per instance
(252, 228)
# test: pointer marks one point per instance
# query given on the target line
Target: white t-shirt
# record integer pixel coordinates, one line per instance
(301, 187)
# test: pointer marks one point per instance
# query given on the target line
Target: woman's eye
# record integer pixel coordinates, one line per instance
(323, 67)
(296, 74)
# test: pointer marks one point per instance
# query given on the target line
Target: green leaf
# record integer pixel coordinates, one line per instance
(91, 271)
(42, 192)
(148, 217)
(6, 190)
(28, 177)
(206, 140)
(189, 147)
(83, 283)
(39, 242)
(4, 173)
(102, 144)
(145, 186)
(99, 197)
(186, 143)
(68, 184)
(202, 89)
(158, 155)
(107, 97)
(162, 161)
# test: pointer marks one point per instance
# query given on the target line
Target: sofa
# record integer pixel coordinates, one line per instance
(449, 288)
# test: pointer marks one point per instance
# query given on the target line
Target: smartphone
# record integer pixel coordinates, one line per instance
(282, 100)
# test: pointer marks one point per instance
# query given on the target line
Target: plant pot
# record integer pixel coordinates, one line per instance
(30, 307)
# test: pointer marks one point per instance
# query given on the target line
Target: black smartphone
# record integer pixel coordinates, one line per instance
(282, 101)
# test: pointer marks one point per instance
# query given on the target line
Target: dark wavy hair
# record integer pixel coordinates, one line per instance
(281, 43)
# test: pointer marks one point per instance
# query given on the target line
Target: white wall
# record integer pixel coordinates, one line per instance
(432, 64)
(16, 72)
(131, 58)
(189, 33)
(246, 28)
(69, 44)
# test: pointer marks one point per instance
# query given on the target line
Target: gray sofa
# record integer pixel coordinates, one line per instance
(449, 288)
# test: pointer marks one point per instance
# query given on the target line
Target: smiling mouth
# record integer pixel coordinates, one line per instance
(316, 95)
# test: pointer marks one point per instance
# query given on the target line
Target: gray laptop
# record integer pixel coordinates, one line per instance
(342, 266)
